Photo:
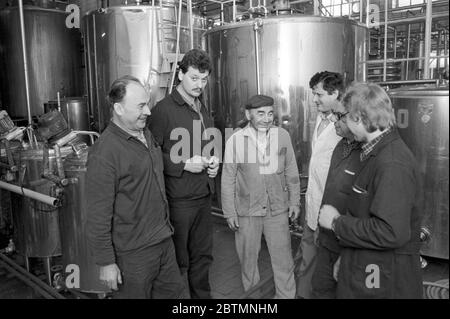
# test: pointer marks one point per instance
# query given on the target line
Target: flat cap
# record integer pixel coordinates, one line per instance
(259, 100)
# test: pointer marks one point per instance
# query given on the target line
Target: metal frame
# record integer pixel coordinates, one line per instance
(388, 24)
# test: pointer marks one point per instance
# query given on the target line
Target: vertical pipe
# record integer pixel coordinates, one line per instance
(428, 20)
(408, 44)
(438, 51)
(234, 10)
(360, 11)
(256, 26)
(221, 14)
(395, 42)
(385, 39)
(368, 14)
(191, 24)
(25, 60)
(445, 49)
(177, 50)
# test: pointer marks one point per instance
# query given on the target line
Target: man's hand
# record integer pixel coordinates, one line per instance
(110, 274)
(233, 223)
(336, 268)
(294, 211)
(326, 215)
(213, 166)
(196, 164)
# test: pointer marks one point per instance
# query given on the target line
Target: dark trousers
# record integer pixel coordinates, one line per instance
(150, 272)
(192, 222)
(323, 284)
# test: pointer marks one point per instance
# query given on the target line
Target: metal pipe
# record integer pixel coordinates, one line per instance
(59, 163)
(442, 14)
(428, 21)
(256, 25)
(52, 201)
(30, 279)
(25, 280)
(379, 61)
(25, 61)
(191, 24)
(177, 49)
(360, 11)
(367, 14)
(407, 51)
(385, 40)
(409, 82)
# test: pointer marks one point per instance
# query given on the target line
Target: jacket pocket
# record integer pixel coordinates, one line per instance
(370, 274)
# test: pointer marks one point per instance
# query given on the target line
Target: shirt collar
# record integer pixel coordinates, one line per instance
(116, 129)
(324, 116)
(370, 147)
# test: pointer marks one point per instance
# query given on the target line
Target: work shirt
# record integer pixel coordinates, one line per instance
(322, 149)
(256, 179)
(180, 131)
(126, 201)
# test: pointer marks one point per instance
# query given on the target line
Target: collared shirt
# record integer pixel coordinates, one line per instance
(126, 202)
(321, 152)
(368, 147)
(195, 104)
(139, 135)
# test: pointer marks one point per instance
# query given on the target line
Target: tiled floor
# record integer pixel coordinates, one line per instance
(225, 271)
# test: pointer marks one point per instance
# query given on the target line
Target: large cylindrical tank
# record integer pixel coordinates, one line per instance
(54, 59)
(73, 220)
(280, 55)
(422, 118)
(36, 225)
(133, 40)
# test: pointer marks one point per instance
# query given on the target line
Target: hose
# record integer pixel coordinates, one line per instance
(436, 290)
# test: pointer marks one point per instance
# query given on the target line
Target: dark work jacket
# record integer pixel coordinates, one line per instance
(341, 174)
(379, 234)
(127, 207)
(174, 114)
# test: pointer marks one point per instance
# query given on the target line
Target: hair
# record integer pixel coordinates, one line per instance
(331, 81)
(196, 58)
(119, 89)
(371, 104)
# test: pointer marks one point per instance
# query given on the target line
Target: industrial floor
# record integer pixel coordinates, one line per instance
(225, 273)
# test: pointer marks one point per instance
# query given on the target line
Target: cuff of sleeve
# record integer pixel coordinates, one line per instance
(175, 170)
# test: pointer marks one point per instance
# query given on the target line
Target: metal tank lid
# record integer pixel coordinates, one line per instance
(287, 19)
(142, 7)
(419, 91)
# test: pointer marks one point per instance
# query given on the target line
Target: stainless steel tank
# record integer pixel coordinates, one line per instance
(422, 118)
(133, 40)
(36, 225)
(279, 55)
(73, 220)
(54, 59)
(75, 111)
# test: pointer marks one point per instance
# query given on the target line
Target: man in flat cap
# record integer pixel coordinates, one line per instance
(260, 192)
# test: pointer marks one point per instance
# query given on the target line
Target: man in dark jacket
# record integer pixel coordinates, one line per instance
(379, 233)
(179, 122)
(345, 164)
(129, 232)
